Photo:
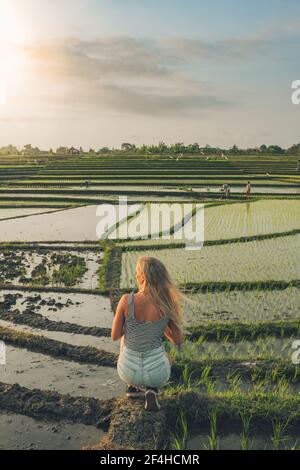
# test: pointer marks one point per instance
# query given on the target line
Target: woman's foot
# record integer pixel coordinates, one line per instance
(134, 392)
(151, 403)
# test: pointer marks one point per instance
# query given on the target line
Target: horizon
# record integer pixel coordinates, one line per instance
(94, 73)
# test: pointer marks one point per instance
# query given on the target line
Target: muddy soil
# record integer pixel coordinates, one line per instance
(55, 407)
(50, 268)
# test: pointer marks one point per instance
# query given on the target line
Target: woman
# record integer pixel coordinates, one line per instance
(140, 322)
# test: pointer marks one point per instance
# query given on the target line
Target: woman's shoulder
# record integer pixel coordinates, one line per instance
(124, 299)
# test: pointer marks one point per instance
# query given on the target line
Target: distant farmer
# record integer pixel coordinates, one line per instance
(227, 192)
(223, 190)
(141, 321)
(248, 189)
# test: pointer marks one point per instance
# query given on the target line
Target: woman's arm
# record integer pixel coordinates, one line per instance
(173, 334)
(117, 330)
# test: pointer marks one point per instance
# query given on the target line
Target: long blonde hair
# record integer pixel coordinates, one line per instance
(162, 290)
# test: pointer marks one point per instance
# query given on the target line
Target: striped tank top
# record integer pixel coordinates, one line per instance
(142, 336)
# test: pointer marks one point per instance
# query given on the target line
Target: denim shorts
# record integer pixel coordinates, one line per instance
(148, 369)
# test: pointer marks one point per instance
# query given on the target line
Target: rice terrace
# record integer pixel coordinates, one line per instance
(234, 384)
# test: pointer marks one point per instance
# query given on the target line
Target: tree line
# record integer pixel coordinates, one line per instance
(161, 148)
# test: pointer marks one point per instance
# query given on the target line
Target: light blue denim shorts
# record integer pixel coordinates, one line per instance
(148, 369)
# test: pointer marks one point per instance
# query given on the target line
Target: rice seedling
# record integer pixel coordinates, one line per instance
(279, 427)
(179, 442)
(245, 438)
(213, 438)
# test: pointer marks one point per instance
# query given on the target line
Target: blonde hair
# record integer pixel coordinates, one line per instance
(162, 290)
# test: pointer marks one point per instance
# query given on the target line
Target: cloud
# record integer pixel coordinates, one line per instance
(141, 101)
(121, 74)
(233, 49)
(136, 75)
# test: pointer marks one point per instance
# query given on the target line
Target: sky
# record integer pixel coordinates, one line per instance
(96, 73)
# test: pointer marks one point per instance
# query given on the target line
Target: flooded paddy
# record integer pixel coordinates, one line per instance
(235, 441)
(81, 309)
(74, 339)
(12, 213)
(59, 342)
(78, 224)
(249, 306)
(255, 189)
(18, 432)
(50, 268)
(34, 370)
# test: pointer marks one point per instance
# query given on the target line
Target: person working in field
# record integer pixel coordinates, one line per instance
(223, 190)
(141, 321)
(248, 190)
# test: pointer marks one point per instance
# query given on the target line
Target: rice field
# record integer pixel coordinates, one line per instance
(274, 259)
(225, 222)
(255, 306)
(233, 384)
(50, 268)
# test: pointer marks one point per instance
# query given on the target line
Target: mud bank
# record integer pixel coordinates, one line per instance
(58, 349)
(54, 406)
(133, 428)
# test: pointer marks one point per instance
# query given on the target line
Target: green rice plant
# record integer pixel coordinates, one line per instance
(279, 428)
(274, 373)
(283, 387)
(187, 377)
(213, 438)
(245, 440)
(295, 446)
(206, 381)
(205, 373)
(234, 381)
(180, 442)
(243, 257)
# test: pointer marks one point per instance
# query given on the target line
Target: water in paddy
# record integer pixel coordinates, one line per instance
(11, 213)
(248, 306)
(34, 370)
(77, 224)
(30, 260)
(18, 432)
(103, 343)
(82, 309)
(255, 189)
(233, 441)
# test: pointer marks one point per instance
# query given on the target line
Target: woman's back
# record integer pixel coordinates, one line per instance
(144, 309)
(144, 325)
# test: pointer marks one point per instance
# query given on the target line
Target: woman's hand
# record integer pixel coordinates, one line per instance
(173, 334)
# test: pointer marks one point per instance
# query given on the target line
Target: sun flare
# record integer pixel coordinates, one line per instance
(11, 30)
(11, 38)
